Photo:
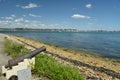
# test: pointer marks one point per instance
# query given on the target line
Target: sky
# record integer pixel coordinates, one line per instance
(60, 14)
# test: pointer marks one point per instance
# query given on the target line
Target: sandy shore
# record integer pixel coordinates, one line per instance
(84, 57)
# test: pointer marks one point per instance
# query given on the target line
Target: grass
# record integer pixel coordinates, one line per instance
(14, 49)
(50, 68)
(45, 65)
(0, 73)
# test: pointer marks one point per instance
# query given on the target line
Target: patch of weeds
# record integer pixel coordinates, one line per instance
(50, 68)
(14, 49)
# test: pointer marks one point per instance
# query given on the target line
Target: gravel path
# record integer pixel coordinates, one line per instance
(3, 57)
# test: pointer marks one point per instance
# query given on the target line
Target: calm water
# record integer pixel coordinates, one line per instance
(103, 43)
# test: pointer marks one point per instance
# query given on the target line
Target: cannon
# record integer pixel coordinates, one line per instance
(15, 61)
(18, 64)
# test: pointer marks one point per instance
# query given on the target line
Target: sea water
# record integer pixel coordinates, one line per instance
(106, 44)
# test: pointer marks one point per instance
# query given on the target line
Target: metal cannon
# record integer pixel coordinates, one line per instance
(15, 61)
(18, 66)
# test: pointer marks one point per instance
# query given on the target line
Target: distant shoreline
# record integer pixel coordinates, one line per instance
(55, 30)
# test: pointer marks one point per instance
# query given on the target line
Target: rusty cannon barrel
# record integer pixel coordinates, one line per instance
(15, 61)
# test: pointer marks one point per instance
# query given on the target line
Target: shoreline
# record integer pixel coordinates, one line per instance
(96, 52)
(84, 57)
(82, 52)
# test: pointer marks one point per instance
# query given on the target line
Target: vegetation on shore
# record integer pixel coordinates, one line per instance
(49, 67)
(14, 49)
(45, 65)
(0, 73)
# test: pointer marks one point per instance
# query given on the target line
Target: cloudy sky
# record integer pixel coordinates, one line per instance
(78, 14)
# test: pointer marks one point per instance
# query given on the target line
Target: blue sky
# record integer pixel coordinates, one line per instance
(78, 14)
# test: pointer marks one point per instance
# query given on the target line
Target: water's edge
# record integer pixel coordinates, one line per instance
(102, 44)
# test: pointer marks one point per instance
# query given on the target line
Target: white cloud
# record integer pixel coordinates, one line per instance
(27, 21)
(30, 5)
(33, 15)
(78, 16)
(5, 21)
(22, 22)
(88, 5)
(10, 18)
(13, 15)
(56, 26)
(19, 20)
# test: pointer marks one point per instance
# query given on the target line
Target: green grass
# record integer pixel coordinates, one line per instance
(0, 73)
(14, 49)
(50, 68)
(45, 66)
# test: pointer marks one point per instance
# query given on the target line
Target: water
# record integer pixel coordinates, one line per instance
(106, 44)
